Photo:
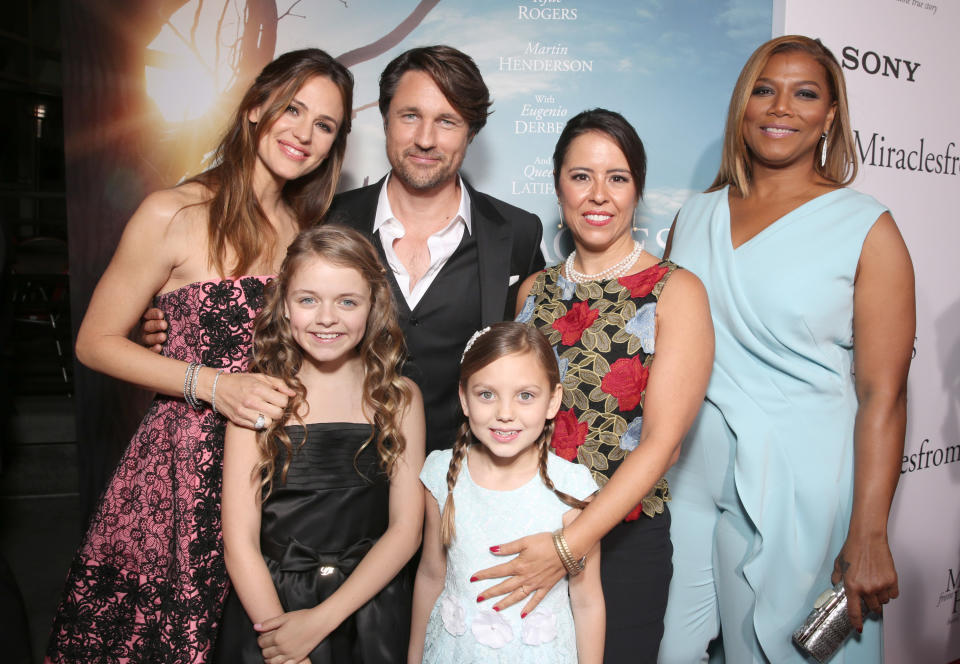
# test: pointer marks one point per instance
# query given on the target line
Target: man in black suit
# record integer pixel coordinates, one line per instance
(456, 256)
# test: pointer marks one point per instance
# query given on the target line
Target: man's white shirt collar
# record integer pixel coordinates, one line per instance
(441, 244)
(385, 212)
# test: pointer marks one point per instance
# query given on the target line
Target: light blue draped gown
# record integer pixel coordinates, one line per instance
(762, 492)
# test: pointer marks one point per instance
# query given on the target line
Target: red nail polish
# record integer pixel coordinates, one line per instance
(472, 579)
(480, 598)
(523, 615)
(495, 549)
(496, 608)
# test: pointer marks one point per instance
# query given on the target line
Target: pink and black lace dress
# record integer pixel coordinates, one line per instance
(149, 581)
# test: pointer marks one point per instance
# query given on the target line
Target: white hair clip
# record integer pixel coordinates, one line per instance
(472, 340)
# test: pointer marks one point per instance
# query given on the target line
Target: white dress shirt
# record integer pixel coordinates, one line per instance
(441, 244)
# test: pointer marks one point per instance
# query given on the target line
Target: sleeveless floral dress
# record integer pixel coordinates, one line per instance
(604, 337)
(149, 580)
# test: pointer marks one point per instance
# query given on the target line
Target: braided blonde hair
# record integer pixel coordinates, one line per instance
(502, 339)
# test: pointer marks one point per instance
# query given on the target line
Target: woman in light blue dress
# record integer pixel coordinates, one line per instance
(785, 481)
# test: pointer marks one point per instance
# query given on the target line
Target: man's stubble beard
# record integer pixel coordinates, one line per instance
(422, 180)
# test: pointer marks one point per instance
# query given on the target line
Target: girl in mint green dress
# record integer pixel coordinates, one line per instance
(501, 482)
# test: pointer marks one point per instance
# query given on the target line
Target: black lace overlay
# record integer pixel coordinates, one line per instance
(149, 580)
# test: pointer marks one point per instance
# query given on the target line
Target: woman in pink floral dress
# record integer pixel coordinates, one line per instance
(148, 582)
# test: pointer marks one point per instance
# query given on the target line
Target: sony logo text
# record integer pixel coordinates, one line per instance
(873, 63)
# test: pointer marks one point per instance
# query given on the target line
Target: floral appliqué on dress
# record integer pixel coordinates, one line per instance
(452, 615)
(491, 629)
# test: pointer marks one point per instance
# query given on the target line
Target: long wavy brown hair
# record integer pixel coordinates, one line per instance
(237, 222)
(382, 350)
(736, 166)
(500, 340)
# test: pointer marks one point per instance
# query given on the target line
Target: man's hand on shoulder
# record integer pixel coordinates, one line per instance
(152, 331)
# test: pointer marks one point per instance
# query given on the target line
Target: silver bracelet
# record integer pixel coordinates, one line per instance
(187, 380)
(213, 390)
(195, 402)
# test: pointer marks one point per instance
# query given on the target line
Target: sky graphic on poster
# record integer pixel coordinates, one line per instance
(668, 66)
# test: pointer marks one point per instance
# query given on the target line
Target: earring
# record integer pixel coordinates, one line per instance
(560, 210)
(635, 226)
(823, 150)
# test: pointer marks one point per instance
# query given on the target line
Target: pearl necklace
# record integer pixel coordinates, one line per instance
(611, 272)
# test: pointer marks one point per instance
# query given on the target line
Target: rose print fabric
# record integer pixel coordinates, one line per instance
(148, 582)
(460, 629)
(603, 335)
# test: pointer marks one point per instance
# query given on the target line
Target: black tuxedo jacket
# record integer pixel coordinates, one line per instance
(508, 242)
(507, 251)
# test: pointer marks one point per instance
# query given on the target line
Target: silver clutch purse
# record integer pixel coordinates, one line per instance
(827, 626)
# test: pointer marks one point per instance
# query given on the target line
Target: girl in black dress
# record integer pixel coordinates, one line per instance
(323, 508)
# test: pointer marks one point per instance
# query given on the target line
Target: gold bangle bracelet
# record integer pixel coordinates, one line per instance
(572, 565)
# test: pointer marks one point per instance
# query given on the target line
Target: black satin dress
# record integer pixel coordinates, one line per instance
(314, 530)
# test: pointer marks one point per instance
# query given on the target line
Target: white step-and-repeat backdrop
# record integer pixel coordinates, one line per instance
(904, 87)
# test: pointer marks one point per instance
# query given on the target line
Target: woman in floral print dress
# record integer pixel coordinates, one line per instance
(634, 342)
(148, 582)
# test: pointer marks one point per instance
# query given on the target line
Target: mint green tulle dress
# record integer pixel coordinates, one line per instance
(460, 629)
